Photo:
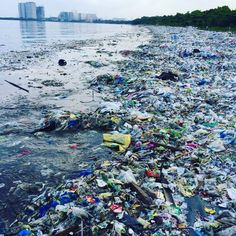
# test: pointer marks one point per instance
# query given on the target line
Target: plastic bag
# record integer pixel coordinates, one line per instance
(119, 142)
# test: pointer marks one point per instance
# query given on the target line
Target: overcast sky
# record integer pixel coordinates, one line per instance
(129, 9)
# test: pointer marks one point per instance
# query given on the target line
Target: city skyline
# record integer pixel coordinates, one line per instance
(30, 11)
(109, 9)
(76, 16)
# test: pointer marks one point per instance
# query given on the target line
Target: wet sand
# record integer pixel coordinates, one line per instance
(28, 162)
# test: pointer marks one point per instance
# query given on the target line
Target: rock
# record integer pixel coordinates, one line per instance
(62, 62)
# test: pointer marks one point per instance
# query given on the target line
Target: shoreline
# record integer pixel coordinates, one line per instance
(76, 22)
(174, 103)
(38, 70)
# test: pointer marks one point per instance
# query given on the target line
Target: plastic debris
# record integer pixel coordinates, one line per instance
(232, 193)
(127, 176)
(175, 97)
(119, 142)
(116, 208)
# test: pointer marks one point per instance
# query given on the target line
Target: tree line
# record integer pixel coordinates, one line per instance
(218, 17)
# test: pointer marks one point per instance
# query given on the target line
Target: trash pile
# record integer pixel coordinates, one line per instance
(172, 129)
(68, 121)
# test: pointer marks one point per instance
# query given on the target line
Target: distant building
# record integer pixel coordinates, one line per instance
(40, 13)
(91, 17)
(30, 9)
(54, 19)
(82, 17)
(63, 16)
(27, 11)
(74, 16)
(66, 16)
(119, 19)
(71, 16)
(22, 12)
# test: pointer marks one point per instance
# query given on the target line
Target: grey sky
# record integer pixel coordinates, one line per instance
(117, 8)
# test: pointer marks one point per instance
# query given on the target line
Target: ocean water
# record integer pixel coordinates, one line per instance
(20, 35)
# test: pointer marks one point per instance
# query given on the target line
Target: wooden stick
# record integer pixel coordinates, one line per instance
(226, 222)
(17, 86)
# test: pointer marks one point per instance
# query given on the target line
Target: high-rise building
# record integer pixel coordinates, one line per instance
(66, 16)
(27, 11)
(40, 13)
(22, 12)
(63, 16)
(82, 16)
(75, 16)
(71, 16)
(91, 17)
(30, 8)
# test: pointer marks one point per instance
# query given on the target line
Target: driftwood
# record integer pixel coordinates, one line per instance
(141, 194)
(227, 232)
(17, 86)
(167, 191)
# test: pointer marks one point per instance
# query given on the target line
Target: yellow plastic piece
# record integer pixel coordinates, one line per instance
(115, 119)
(214, 224)
(210, 211)
(73, 116)
(120, 142)
(105, 195)
(185, 191)
(135, 206)
(143, 222)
